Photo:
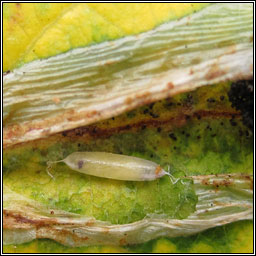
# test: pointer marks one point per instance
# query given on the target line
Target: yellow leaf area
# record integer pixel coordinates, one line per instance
(39, 30)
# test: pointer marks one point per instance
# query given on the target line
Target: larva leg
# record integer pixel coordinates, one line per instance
(48, 168)
(172, 179)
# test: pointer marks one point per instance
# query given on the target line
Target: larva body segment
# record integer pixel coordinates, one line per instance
(113, 166)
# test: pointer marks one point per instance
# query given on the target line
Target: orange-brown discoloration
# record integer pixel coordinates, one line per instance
(13, 131)
(128, 101)
(214, 72)
(143, 95)
(122, 242)
(105, 230)
(170, 85)
(13, 219)
(251, 68)
(56, 100)
(205, 182)
(90, 223)
(110, 62)
(158, 170)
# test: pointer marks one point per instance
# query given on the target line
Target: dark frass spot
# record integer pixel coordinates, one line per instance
(198, 117)
(242, 98)
(159, 129)
(145, 111)
(172, 136)
(232, 122)
(208, 127)
(211, 100)
(80, 164)
(154, 115)
(151, 105)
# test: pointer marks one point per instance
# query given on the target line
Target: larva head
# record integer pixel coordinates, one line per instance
(154, 174)
(159, 172)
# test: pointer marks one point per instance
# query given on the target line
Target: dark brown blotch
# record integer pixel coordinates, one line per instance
(80, 164)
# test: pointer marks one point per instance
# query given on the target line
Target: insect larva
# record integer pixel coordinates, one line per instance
(113, 166)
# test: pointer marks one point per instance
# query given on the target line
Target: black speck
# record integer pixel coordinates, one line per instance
(213, 135)
(143, 127)
(198, 117)
(159, 129)
(128, 126)
(154, 115)
(78, 144)
(80, 164)
(187, 117)
(187, 135)
(64, 134)
(222, 98)
(174, 148)
(172, 136)
(211, 100)
(113, 118)
(94, 130)
(221, 123)
(208, 127)
(169, 104)
(232, 122)
(198, 137)
(145, 111)
(151, 105)
(247, 134)
(151, 155)
(179, 104)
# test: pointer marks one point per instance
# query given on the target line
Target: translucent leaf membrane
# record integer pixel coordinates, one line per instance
(221, 199)
(89, 84)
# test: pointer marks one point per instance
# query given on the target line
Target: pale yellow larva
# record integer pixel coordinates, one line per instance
(113, 166)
